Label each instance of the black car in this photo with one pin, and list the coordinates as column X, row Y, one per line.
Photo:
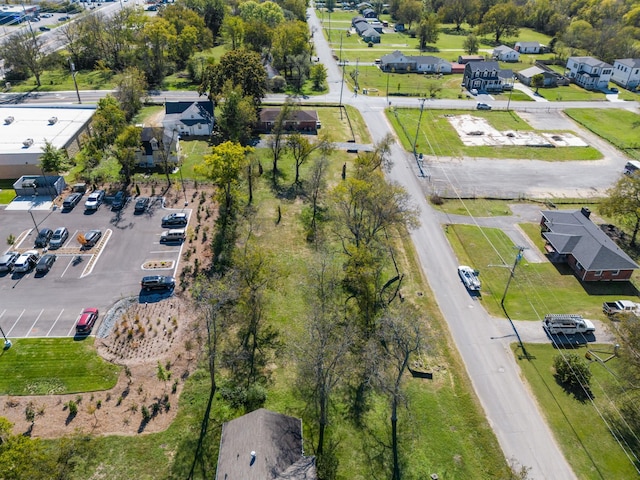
column 45, row 263
column 118, row 201
column 7, row 260
column 91, row 238
column 175, row 220
column 71, row 201
column 141, row 205
column 43, row 238
column 157, row 282
column 44, row 28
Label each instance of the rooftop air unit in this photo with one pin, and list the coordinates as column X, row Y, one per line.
column 53, row 120
column 9, row 120
column 28, row 142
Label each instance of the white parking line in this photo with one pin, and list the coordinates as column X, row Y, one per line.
column 73, row 327
column 73, row 259
column 54, row 323
column 3, row 312
column 34, row 323
column 165, row 251
column 17, row 320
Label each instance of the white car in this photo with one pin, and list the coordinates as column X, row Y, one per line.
column 95, row 200
column 469, row 277
column 26, row 261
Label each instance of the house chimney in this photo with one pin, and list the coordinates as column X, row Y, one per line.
column 585, row 211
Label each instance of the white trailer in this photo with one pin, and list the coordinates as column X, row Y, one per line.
column 567, row 324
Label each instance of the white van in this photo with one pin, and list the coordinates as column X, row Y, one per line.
column 631, row 167
column 176, row 235
column 567, row 324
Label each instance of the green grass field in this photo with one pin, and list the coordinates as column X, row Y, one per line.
column 438, row 137
column 584, row 437
column 538, row 288
column 7, row 193
column 54, row 366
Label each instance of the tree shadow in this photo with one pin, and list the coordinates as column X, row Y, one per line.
column 581, row 394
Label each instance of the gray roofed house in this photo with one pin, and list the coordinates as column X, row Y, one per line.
column 158, row 146
column 551, row 79
column 358, row 19
column 263, row 445
column 401, row 63
column 486, row 77
column 369, row 13
column 528, row 47
column 589, row 72
column 189, row 118
column 574, row 239
column 626, row 72
column 505, row 54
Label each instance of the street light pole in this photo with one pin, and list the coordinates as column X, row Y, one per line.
column 73, row 75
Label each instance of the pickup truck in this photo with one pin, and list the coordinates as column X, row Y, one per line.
column 620, row 306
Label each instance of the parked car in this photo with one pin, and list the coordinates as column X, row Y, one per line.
column 43, row 238
column 175, row 235
column 59, row 237
column 91, row 238
column 175, row 220
column 95, row 200
column 71, row 201
column 26, row 261
column 483, row 106
column 157, row 282
column 44, row 28
column 45, row 263
column 141, row 205
column 8, row 260
column 118, row 201
column 86, row 321
column 64, row 18
column 46, row 15
column 469, row 277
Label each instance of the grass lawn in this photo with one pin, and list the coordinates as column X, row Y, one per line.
column 7, row 193
column 476, row 207
column 584, row 437
column 61, row 79
column 619, row 127
column 146, row 112
column 537, row 288
column 444, row 139
column 54, row 366
column 571, row 93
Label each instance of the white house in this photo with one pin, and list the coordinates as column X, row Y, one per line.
column 400, row 63
column 189, row 118
column 590, row 73
column 528, row 47
column 159, row 147
column 505, row 54
column 626, row 73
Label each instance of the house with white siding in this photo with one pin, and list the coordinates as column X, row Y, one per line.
column 626, row 73
column 589, row 72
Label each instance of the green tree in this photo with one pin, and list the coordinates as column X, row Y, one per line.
column 537, row 81
column 622, row 201
column 131, row 91
column 457, row 11
column 233, row 29
column 211, row 11
column 237, row 116
column 107, row 123
column 156, row 40
column 53, row 159
column 409, row 12
column 471, row 44
column 22, row 457
column 288, row 43
column 125, row 148
column 428, row 30
column 301, row 149
column 258, row 36
column 572, row 372
column 24, row 52
column 503, row 19
column 268, row 12
column 318, row 75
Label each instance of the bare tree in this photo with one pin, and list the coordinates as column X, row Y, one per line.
column 23, row 51
column 301, row 149
column 277, row 143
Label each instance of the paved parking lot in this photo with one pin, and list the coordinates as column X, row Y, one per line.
column 48, row 306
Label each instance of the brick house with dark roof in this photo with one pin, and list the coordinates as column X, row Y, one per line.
column 299, row 120
column 574, row 239
column 263, row 445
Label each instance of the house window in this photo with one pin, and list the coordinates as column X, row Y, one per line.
column 199, row 126
column 615, row 273
column 597, row 273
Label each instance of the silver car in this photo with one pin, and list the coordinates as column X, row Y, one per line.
column 59, row 237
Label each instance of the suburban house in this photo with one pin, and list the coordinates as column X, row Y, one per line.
column 528, row 47
column 366, row 31
column 400, row 63
column 574, row 239
column 299, row 120
column 505, row 54
column 464, row 59
column 626, row 73
column 486, row 77
column 590, row 73
column 189, row 118
column 159, row 146
column 358, row 19
column 551, row 79
column 369, row 13
column 263, row 445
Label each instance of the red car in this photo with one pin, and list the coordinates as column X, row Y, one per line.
column 86, row 321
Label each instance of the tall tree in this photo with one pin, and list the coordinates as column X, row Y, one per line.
column 409, row 12
column 301, row 149
column 428, row 30
column 318, row 75
column 53, row 159
column 24, row 52
column 157, row 37
column 277, row 143
column 233, row 31
column 268, row 12
column 107, row 123
column 501, row 19
column 125, row 147
column 623, row 203
column 457, row 11
column 131, row 90
column 537, row 81
column 471, row 44
column 237, row 116
column 212, row 12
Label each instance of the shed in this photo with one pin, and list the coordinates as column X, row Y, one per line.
column 48, row 185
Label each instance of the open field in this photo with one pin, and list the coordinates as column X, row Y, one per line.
column 571, row 93
column 583, row 435
column 538, row 288
column 54, row 366
column 438, row 137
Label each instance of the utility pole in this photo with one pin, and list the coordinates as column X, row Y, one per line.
column 73, row 75
column 510, row 92
column 388, row 75
column 512, row 274
column 415, row 140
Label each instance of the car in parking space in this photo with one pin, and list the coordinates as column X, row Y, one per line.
column 59, row 237
column 46, row 15
column 26, row 261
column 175, row 220
column 157, row 282
column 118, row 201
column 483, row 106
column 45, row 263
column 43, row 238
column 44, row 28
column 175, row 235
column 64, row 18
column 141, row 205
column 8, row 260
column 86, row 321
column 71, row 201
column 95, row 200
column 91, row 238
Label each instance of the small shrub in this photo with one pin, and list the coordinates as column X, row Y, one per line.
column 30, row 412
column 119, row 401
column 146, row 415
column 134, row 407
column 99, row 404
column 436, row 199
column 73, row 407
column 11, row 239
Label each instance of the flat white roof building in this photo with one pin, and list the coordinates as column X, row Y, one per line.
column 25, row 128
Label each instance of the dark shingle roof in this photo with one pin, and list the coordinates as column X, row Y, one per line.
column 276, row 440
column 573, row 233
column 486, row 65
column 189, row 113
column 270, row 115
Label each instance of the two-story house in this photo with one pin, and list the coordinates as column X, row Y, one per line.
column 486, row 77
column 626, row 73
column 590, row 73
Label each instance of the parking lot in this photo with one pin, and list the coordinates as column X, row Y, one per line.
column 48, row 305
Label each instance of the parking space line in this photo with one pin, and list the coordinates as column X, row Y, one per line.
column 73, row 259
column 71, row 239
column 89, row 268
column 54, row 323
column 14, row 324
column 73, row 327
column 165, row 251
column 3, row 312
column 34, row 323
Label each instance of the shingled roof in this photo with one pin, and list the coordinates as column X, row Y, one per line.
column 276, row 442
column 571, row 232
